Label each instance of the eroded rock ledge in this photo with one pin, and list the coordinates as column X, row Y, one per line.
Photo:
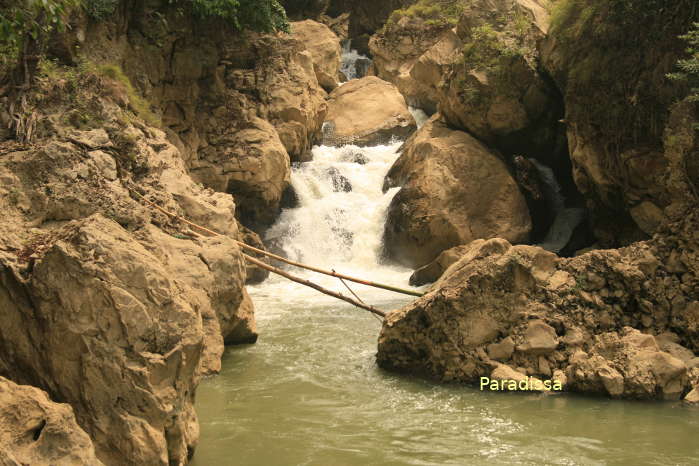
column 622, row 323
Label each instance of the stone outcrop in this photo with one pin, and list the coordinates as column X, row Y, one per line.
column 325, row 50
column 431, row 272
column 109, row 305
column 619, row 323
column 251, row 163
column 367, row 17
column 396, row 49
column 616, row 137
column 35, row 430
column 365, row 112
column 485, row 79
column 453, row 190
column 211, row 86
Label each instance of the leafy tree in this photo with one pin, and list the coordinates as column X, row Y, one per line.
column 689, row 67
column 258, row 15
column 24, row 27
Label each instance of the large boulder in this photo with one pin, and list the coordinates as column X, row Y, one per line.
column 252, row 164
column 366, row 112
column 588, row 323
column 325, row 50
column 453, row 190
column 35, row 430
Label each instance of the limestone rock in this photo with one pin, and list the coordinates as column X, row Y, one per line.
column 325, row 50
column 35, row 430
column 539, row 338
column 396, row 50
column 453, row 190
column 650, row 166
column 503, row 350
column 367, row 111
column 486, row 304
column 254, row 167
column 431, row 272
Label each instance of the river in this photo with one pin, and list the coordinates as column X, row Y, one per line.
column 310, row 393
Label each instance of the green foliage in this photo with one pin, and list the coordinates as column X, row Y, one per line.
column 32, row 18
column 689, row 67
column 138, row 103
column 433, row 12
column 100, row 9
column 257, row 15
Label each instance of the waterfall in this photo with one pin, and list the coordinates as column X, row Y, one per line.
column 354, row 65
column 420, row 116
column 339, row 221
column 566, row 218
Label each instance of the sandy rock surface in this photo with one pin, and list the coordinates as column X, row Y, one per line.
column 34, row 430
column 367, row 111
column 453, row 190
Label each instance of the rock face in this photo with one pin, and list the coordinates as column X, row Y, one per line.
column 616, row 137
column 589, row 322
column 365, row 112
column 366, row 17
column 109, row 305
column 325, row 50
column 453, row 190
column 482, row 75
column 210, row 87
column 35, row 430
column 251, row 163
column 491, row 86
column 395, row 50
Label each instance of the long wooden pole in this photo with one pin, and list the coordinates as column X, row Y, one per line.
column 283, row 259
column 303, row 281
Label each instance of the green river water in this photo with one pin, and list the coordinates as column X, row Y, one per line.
column 309, row 393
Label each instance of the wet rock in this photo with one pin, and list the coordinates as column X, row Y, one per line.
column 354, row 156
column 366, row 112
column 453, row 190
column 693, row 396
column 339, row 181
column 35, row 430
column 253, row 273
column 324, row 46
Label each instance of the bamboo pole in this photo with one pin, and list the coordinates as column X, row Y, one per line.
column 309, row 283
column 280, row 258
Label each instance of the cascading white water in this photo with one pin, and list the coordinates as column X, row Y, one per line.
column 351, row 59
column 566, row 218
column 338, row 223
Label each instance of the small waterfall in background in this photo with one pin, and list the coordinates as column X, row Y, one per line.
column 339, row 221
column 354, row 65
column 566, row 218
column 420, row 116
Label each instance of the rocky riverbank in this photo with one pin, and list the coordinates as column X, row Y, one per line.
column 114, row 311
